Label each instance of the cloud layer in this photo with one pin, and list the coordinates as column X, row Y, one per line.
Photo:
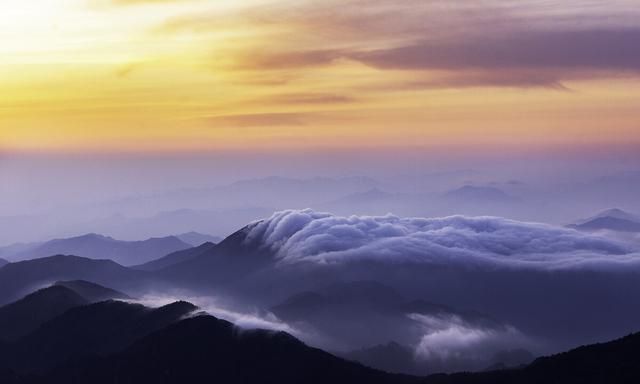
column 307, row 236
column 451, row 339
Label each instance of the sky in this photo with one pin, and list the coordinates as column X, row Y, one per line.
column 280, row 76
column 102, row 100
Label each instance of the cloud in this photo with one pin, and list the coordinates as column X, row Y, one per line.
column 289, row 59
column 450, row 338
column 258, row 119
column 589, row 49
column 212, row 306
column 307, row 98
column 494, row 43
column 133, row 2
column 296, row 236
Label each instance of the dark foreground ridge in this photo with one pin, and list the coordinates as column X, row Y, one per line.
column 119, row 342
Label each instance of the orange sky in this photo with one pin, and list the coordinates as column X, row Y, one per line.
column 136, row 75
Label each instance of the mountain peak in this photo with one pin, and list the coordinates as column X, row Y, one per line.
column 617, row 213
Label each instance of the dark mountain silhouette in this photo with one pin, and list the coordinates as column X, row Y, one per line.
column 91, row 291
column 226, row 263
column 27, row 314
column 391, row 357
column 369, row 313
column 24, row 316
column 616, row 361
column 96, row 246
column 472, row 194
column 95, row 329
column 612, row 219
column 114, row 341
column 18, row 279
column 195, row 238
column 206, row 349
column 176, row 257
column 510, row 358
column 3, row 262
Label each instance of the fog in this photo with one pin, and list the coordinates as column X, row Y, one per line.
column 431, row 261
column 133, row 197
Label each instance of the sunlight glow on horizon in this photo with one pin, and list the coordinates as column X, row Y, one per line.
column 105, row 75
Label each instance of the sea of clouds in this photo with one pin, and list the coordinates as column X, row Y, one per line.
column 296, row 236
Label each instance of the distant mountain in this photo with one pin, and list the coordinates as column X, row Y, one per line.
column 222, row 220
column 206, row 349
column 3, row 262
column 25, row 315
column 373, row 201
column 176, row 258
column 369, row 196
column 98, row 247
column 195, row 238
column 17, row 248
column 20, row 278
column 470, row 193
column 612, row 219
column 90, row 330
column 92, row 292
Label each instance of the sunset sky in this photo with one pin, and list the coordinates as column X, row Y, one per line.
column 276, row 75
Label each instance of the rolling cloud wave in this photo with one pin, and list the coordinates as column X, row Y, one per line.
column 308, row 236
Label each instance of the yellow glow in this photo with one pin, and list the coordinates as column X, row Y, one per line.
column 108, row 76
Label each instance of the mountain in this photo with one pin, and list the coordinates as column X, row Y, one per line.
column 165, row 221
column 24, row 316
column 27, row 314
column 612, row 219
column 176, row 257
column 228, row 262
column 18, row 279
column 89, row 330
column 391, row 357
column 196, row 238
column 91, row 291
column 471, row 194
column 373, row 201
column 370, row 196
column 3, row 262
column 17, row 248
column 97, row 247
column 363, row 313
column 616, row 361
column 206, row 349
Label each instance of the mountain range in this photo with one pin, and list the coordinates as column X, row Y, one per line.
column 369, row 302
column 114, row 341
column 96, row 246
column 20, row 278
column 196, row 238
column 27, row 314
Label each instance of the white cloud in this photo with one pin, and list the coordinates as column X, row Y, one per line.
column 209, row 304
column 308, row 236
column 450, row 337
